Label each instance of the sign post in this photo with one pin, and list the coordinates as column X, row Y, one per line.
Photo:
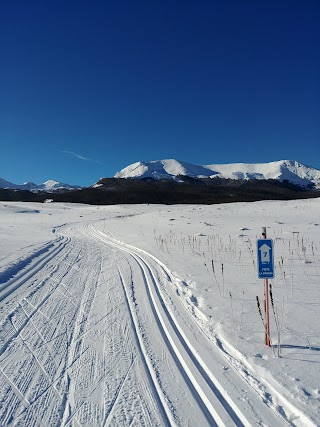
column 265, row 271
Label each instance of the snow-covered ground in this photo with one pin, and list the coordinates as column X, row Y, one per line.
column 146, row 315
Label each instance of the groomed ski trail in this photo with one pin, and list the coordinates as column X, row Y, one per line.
column 93, row 334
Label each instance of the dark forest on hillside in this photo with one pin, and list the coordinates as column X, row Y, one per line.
column 184, row 190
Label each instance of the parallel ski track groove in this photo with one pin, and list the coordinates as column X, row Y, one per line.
column 56, row 275
column 165, row 413
column 19, row 280
column 173, row 351
column 33, row 312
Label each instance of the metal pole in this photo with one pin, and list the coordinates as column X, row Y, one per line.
column 266, row 301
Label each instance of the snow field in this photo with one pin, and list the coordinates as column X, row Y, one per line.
column 146, row 315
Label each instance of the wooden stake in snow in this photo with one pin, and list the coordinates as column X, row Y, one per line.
column 263, row 322
column 259, row 309
column 266, row 300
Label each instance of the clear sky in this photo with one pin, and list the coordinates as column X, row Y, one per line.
column 89, row 87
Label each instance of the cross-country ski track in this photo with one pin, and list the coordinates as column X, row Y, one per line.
column 93, row 333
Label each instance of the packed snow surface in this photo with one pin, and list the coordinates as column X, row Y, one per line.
column 290, row 170
column 147, row 315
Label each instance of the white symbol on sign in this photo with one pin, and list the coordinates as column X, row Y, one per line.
column 265, row 253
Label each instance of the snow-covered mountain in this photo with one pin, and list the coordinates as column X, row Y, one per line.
column 281, row 170
column 50, row 185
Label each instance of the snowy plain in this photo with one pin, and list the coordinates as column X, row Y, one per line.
column 146, row 315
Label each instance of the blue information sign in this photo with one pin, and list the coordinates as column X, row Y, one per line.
column 265, row 258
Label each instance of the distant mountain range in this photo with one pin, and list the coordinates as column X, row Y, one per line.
column 47, row 186
column 174, row 182
column 289, row 170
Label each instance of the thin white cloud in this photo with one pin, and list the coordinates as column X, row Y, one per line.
column 78, row 156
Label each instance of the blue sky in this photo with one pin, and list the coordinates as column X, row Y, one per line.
column 89, row 87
